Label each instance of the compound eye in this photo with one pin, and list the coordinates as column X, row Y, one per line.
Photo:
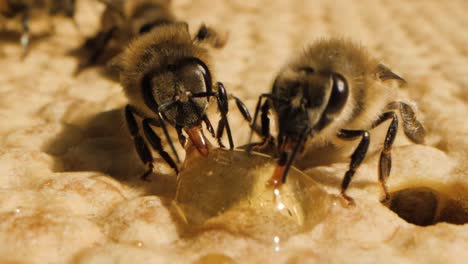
column 339, row 93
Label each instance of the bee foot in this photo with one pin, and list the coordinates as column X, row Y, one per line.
column 145, row 176
column 385, row 199
column 347, row 201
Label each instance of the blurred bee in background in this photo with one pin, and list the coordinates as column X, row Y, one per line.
column 123, row 20
column 24, row 9
column 334, row 91
column 167, row 78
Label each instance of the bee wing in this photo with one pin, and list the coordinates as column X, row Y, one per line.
column 384, row 73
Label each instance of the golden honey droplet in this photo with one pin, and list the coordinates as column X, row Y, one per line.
column 227, row 190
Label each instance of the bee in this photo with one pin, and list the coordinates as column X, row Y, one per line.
column 24, row 8
column 123, row 20
column 167, row 78
column 334, row 92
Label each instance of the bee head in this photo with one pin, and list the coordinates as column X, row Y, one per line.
column 180, row 90
column 179, row 93
column 305, row 102
column 306, row 99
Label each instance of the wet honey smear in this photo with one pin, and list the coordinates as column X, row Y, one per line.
column 228, row 191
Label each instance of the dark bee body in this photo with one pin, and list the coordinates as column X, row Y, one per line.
column 162, row 56
column 132, row 17
column 124, row 20
column 121, row 21
column 24, row 8
column 333, row 92
column 167, row 79
column 11, row 8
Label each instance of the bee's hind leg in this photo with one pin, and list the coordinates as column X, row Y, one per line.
column 413, row 129
column 385, row 161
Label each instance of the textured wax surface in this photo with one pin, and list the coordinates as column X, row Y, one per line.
column 69, row 187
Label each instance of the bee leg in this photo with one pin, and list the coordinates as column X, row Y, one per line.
column 208, row 125
column 413, row 129
column 160, row 123
column 385, row 161
column 25, row 35
column 356, row 158
column 219, row 133
column 223, row 107
column 265, row 128
column 210, row 36
column 265, row 122
column 155, row 142
column 182, row 138
column 242, row 108
column 140, row 144
column 151, row 102
column 264, row 131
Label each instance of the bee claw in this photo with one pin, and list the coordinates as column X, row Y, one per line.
column 145, row 176
column 385, row 199
column 347, row 200
column 267, row 142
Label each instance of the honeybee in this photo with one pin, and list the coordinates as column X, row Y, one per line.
column 167, row 78
column 24, row 8
column 333, row 92
column 123, row 20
